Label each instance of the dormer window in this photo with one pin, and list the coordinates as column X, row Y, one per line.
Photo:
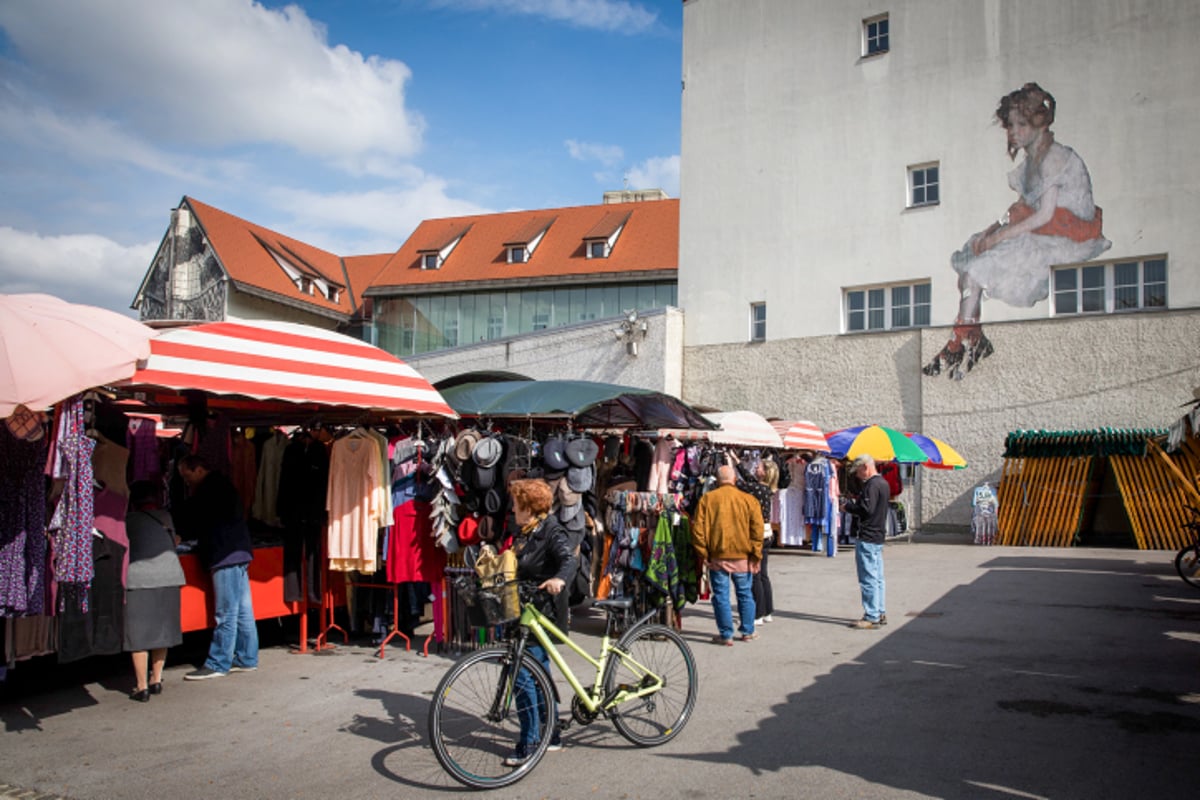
column 430, row 261
column 305, row 284
column 521, row 244
column 598, row 249
column 602, row 238
column 434, row 254
column 334, row 294
column 517, row 255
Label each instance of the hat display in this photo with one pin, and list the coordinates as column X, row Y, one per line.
column 487, row 530
column 492, row 501
column 582, row 452
column 554, row 454
column 485, row 477
column 581, row 478
column 464, row 444
column 487, row 451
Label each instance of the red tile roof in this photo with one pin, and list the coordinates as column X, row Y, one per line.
column 648, row 243
column 239, row 245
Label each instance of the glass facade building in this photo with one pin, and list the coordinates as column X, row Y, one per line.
column 412, row 324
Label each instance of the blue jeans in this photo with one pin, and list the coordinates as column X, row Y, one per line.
column 869, row 560
column 742, row 583
column 527, row 701
column 235, row 637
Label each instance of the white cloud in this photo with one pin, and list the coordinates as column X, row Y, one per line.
column 215, row 73
column 656, row 173
column 606, row 154
column 618, row 16
column 81, row 268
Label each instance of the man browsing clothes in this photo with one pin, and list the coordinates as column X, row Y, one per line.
column 871, row 509
column 727, row 533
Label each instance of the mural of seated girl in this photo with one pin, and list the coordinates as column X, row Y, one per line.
column 1054, row 221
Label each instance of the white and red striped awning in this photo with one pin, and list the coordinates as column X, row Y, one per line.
column 268, row 360
column 739, row 428
column 801, row 435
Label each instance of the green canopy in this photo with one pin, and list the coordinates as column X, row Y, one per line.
column 587, row 404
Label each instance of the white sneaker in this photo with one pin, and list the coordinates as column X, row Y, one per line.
column 758, row 622
column 768, row 618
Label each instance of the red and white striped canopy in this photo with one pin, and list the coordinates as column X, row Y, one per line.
column 801, row 435
column 290, row 362
column 738, row 428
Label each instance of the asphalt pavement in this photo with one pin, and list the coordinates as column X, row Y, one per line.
column 1004, row 673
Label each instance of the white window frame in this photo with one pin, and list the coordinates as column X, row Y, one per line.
column 924, row 185
column 1106, row 293
column 591, row 248
column 431, row 260
column 518, row 254
column 758, row 322
column 867, row 38
column 879, row 300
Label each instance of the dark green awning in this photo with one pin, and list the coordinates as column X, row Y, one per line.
column 1095, row 442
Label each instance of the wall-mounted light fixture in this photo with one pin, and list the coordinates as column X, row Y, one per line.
column 631, row 331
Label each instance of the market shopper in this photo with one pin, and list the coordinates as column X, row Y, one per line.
column 543, row 555
column 871, row 509
column 152, row 588
column 727, row 531
column 214, row 513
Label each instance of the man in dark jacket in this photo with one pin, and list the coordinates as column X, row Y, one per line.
column 871, row 509
column 214, row 512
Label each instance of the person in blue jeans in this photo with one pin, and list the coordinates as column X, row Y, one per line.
column 214, row 515
column 727, row 534
column 871, row 509
column 544, row 555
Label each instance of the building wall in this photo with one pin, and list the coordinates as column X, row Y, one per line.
column 794, row 159
column 588, row 351
column 249, row 307
column 795, row 150
column 1120, row 371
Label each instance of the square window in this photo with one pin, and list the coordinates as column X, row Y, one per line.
column 430, row 261
column 517, row 255
column 923, row 186
column 875, row 35
column 597, row 249
column 758, row 322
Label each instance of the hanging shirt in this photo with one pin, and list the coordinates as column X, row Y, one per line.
column 355, row 503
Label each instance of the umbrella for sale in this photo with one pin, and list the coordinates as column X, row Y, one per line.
column 941, row 455
column 882, row 444
column 51, row 349
column 801, row 435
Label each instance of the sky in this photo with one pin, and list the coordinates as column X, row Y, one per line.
column 342, row 123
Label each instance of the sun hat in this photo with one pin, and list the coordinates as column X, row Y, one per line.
column 582, row 452
column 465, row 443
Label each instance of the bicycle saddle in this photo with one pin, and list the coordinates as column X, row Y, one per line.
column 614, row 604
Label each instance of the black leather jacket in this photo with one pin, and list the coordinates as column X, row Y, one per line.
column 543, row 554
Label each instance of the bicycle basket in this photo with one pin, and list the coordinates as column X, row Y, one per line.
column 493, row 602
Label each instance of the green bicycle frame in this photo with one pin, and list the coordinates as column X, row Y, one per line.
column 543, row 629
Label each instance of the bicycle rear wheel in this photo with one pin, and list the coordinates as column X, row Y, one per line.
column 474, row 726
column 659, row 717
column 1187, row 564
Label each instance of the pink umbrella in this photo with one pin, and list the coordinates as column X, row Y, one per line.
column 51, row 349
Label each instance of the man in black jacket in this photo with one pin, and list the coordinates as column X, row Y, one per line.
column 214, row 512
column 871, row 509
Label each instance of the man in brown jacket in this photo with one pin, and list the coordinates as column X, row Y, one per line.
column 727, row 532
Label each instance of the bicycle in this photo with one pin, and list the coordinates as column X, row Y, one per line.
column 1187, row 560
column 645, row 683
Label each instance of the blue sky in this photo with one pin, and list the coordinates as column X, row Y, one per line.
column 343, row 123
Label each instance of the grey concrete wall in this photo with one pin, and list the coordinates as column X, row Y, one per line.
column 1121, row 371
column 588, row 351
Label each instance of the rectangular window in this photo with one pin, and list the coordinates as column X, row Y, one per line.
column 888, row 307
column 597, row 249
column 1110, row 288
column 923, row 185
column 758, row 322
column 429, row 261
column 517, row 255
column 875, row 35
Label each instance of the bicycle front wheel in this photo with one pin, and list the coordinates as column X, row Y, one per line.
column 475, row 720
column 1187, row 564
column 642, row 655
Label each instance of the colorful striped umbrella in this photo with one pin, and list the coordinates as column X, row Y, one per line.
column 287, row 361
column 941, row 455
column 800, row 435
column 882, row 444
